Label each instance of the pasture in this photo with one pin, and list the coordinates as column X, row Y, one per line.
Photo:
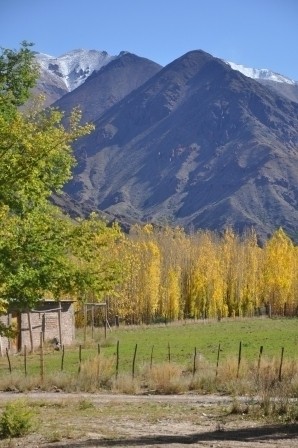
column 179, row 343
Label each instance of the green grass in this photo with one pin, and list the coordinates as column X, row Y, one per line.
column 181, row 338
column 272, row 334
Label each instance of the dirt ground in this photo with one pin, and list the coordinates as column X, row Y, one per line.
column 105, row 420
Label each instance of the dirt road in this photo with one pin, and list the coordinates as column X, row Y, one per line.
column 106, row 420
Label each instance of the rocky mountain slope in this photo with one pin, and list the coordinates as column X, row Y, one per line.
column 60, row 75
column 277, row 83
column 63, row 74
column 196, row 144
column 108, row 85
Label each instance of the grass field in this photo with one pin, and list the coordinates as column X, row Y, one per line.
column 175, row 342
column 268, row 384
column 272, row 334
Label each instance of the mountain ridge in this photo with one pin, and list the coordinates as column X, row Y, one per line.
column 195, row 143
column 77, row 59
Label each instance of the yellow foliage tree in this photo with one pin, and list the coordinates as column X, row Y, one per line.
column 229, row 250
column 149, row 279
column 278, row 273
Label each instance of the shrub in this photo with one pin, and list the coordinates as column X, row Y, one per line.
column 96, row 373
column 17, row 420
column 125, row 384
column 167, row 378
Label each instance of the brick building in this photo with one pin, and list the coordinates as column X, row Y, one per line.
column 49, row 320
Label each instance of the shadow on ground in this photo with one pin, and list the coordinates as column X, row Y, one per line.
column 259, row 434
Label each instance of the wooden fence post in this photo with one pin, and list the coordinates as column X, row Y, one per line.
column 239, row 358
column 106, row 319
column 85, row 323
column 151, row 358
column 43, row 326
column 25, row 359
column 30, row 332
column 259, row 361
column 194, row 362
column 8, row 359
column 117, row 360
column 169, row 352
column 80, row 357
column 60, row 323
column 92, row 321
column 134, row 361
column 281, row 363
column 41, row 358
column 217, row 360
column 62, row 358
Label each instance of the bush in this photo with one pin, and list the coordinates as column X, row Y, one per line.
column 167, row 378
column 125, row 384
column 96, row 373
column 16, row 420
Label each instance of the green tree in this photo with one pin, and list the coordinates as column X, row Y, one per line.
column 34, row 256
column 18, row 74
column 93, row 252
column 35, row 157
column 35, row 161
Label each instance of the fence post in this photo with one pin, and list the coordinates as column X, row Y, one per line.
column 169, row 352
column 8, row 359
column 85, row 323
column 106, row 319
column 60, row 322
column 30, row 331
column 62, row 358
column 92, row 321
column 25, row 359
column 194, row 362
column 217, row 360
column 281, row 362
column 41, row 357
column 259, row 361
column 80, row 357
column 239, row 358
column 151, row 358
column 134, row 361
column 117, row 359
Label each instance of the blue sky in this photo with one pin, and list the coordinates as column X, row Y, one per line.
column 255, row 33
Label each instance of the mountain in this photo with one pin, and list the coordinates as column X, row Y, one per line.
column 278, row 83
column 199, row 145
column 60, row 75
column 108, row 85
column 63, row 74
column 73, row 68
column 261, row 74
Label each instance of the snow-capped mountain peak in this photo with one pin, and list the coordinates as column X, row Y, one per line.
column 75, row 66
column 260, row 73
column 71, row 69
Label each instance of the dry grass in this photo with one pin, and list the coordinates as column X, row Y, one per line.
column 275, row 389
column 166, row 378
column 95, row 374
column 125, row 384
